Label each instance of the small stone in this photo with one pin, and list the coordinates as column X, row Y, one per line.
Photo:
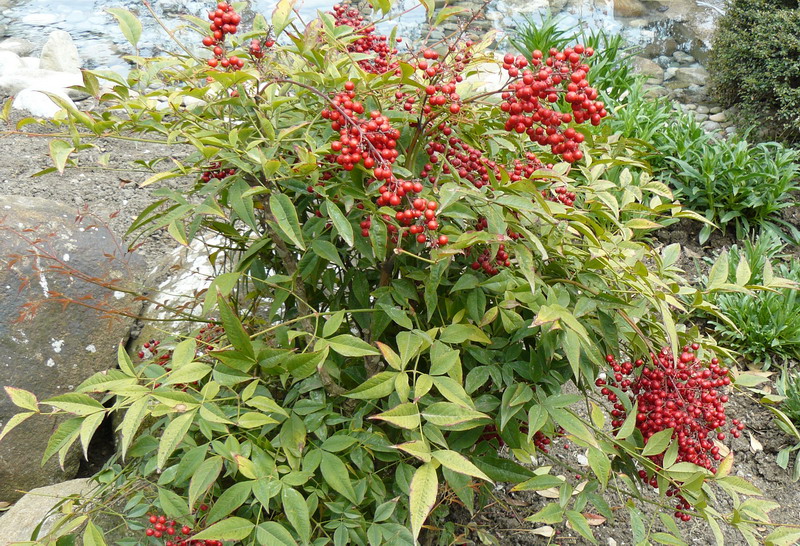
column 20, row 46
column 60, row 54
column 702, row 109
column 715, row 110
column 710, row 126
column 629, row 8
column 9, row 62
column 701, row 117
column 38, row 104
column 654, row 73
column 669, row 73
column 690, row 107
column 719, row 117
column 683, row 58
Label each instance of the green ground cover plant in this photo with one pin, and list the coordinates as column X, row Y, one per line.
column 412, row 272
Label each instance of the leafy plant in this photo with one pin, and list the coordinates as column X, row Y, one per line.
column 764, row 326
column 746, row 72
column 734, row 181
column 407, row 281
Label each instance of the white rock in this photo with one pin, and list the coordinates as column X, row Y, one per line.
column 20, row 46
column 31, row 62
column 59, row 53
column 9, row 62
column 719, row 117
column 42, row 80
column 38, row 104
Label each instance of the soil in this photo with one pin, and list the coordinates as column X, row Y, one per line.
column 115, row 196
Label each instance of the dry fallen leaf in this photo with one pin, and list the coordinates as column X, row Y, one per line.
column 544, row 531
column 755, row 445
column 551, row 493
column 4, row 505
column 594, row 519
column 723, row 449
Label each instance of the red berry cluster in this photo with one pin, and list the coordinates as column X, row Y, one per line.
column 215, row 170
column 224, row 20
column 683, row 394
column 467, row 162
column 171, row 531
column 369, row 140
column 256, row 48
column 526, row 98
column 208, row 335
column 489, row 263
column 368, row 41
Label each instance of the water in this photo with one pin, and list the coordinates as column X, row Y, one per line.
column 102, row 45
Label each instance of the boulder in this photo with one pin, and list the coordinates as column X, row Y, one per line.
column 9, row 62
column 41, row 80
column 18, row 524
column 629, row 8
column 38, row 104
column 60, row 54
column 654, row 73
column 684, row 77
column 20, row 46
column 56, row 329
column 666, row 47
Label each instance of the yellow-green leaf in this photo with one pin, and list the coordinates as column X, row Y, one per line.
column 422, row 496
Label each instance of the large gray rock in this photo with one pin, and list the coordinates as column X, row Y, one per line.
column 60, row 54
column 684, row 77
column 39, row 105
column 18, row 524
column 651, row 69
column 47, row 347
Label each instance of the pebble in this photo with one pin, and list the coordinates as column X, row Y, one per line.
column 719, row 117
column 683, row 58
column 715, row 110
column 702, row 109
column 711, row 126
column 701, row 117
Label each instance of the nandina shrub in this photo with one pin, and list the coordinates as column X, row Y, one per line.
column 412, row 270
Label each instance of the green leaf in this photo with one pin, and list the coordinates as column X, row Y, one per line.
column 124, row 361
column 274, row 534
column 79, row 404
column 173, row 505
column 337, row 476
column 573, row 425
column 459, row 333
column 446, row 13
column 404, row 415
column 600, row 465
column 447, row 414
column 579, row 523
column 131, row 422
column 422, row 496
column 783, row 536
column 188, row 373
column 129, row 24
column 231, row 499
column 296, row 510
column 203, row 478
column 327, row 251
column 341, row 223
column 743, row 272
column 740, row 485
column 669, row 540
column 234, row 330
column 14, row 422
column 350, row 345
column 418, row 448
column 500, row 469
column 379, row 385
column 551, row 513
column 64, row 436
column 539, row 483
column 282, row 208
column 172, row 436
column 629, row 425
column 93, row 535
column 282, row 16
column 458, row 463
column 397, row 315
column 23, row 399
column 719, row 271
column 229, row 529
column 658, row 442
